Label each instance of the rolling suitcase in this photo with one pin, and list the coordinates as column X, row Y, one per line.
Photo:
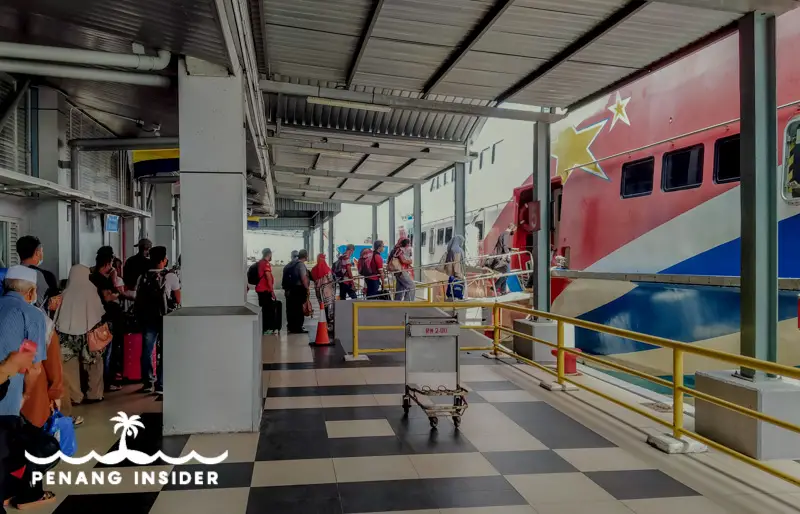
column 132, row 358
column 277, row 316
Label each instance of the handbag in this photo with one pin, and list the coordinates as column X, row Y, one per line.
column 55, row 303
column 99, row 337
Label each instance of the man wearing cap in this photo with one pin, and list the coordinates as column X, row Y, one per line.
column 137, row 265
column 22, row 325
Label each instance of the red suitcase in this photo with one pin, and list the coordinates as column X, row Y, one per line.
column 132, row 358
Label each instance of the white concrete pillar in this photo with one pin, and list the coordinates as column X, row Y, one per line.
column 213, row 190
column 212, row 345
column 50, row 222
column 164, row 216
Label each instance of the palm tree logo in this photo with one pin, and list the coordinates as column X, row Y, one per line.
column 130, row 427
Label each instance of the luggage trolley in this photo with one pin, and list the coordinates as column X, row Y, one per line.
column 432, row 367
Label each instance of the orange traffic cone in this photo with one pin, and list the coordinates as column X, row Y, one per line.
column 322, row 338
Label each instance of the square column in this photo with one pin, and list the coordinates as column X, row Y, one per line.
column 212, row 345
column 307, row 243
column 374, row 223
column 418, row 230
column 321, row 234
column 164, row 215
column 460, row 214
column 331, row 246
column 541, row 193
column 392, row 236
column 759, row 187
column 49, row 222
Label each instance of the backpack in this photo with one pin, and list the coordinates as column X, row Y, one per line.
column 253, row 277
column 151, row 298
column 366, row 263
column 338, row 269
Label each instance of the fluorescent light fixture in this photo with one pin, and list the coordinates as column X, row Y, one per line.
column 348, row 104
column 311, row 202
column 331, row 153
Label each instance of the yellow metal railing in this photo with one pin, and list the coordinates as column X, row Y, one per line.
column 677, row 386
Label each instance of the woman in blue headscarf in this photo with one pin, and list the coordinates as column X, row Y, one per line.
column 454, row 268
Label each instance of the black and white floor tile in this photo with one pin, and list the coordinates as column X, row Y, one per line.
column 334, row 439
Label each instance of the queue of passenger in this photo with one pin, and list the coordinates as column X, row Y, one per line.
column 64, row 348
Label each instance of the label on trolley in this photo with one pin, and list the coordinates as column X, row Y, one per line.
column 433, row 330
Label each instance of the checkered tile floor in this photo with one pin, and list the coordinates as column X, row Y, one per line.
column 334, row 439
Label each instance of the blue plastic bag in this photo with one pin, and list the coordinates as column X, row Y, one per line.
column 61, row 427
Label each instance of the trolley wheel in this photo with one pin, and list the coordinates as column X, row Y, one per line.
column 434, row 421
column 406, row 404
column 457, row 421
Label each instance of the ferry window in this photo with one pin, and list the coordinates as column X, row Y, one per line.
column 727, row 165
column 480, row 160
column 445, row 179
column 423, row 239
column 479, row 226
column 791, row 163
column 448, row 234
column 682, row 169
column 637, row 178
column 440, row 237
column 469, row 167
column 494, row 150
column 432, row 184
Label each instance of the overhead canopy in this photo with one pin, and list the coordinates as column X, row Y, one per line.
column 546, row 53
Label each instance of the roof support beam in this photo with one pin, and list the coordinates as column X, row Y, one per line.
column 494, row 14
column 337, row 148
column 392, row 174
column 345, row 174
column 576, row 46
column 288, row 186
column 305, row 199
column 740, row 6
column 377, row 5
column 366, row 100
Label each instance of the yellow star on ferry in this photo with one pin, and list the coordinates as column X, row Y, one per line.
column 572, row 149
column 619, row 111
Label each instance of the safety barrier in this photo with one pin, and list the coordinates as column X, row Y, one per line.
column 679, row 350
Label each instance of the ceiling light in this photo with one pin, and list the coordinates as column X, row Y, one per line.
column 331, row 153
column 348, row 104
column 311, row 202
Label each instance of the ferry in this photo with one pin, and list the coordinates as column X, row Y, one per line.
column 645, row 208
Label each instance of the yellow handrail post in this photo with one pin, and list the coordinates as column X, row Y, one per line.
column 496, row 311
column 430, row 294
column 677, row 393
column 355, row 330
column 560, row 356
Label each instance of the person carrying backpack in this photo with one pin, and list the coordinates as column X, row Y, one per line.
column 157, row 293
column 370, row 266
column 343, row 273
column 260, row 276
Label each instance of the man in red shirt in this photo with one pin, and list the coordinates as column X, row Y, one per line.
column 375, row 279
column 266, row 292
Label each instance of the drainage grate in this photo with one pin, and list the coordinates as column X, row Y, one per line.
column 658, row 406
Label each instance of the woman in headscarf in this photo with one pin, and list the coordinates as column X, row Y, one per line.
column 400, row 264
column 80, row 313
column 324, row 285
column 455, row 269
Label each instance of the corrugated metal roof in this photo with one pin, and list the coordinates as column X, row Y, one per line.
column 187, row 27
column 405, row 125
column 536, row 52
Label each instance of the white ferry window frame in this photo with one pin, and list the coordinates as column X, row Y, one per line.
column 628, row 165
column 667, row 155
column 440, row 237
column 717, row 144
column 448, row 234
column 792, row 127
column 423, row 239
